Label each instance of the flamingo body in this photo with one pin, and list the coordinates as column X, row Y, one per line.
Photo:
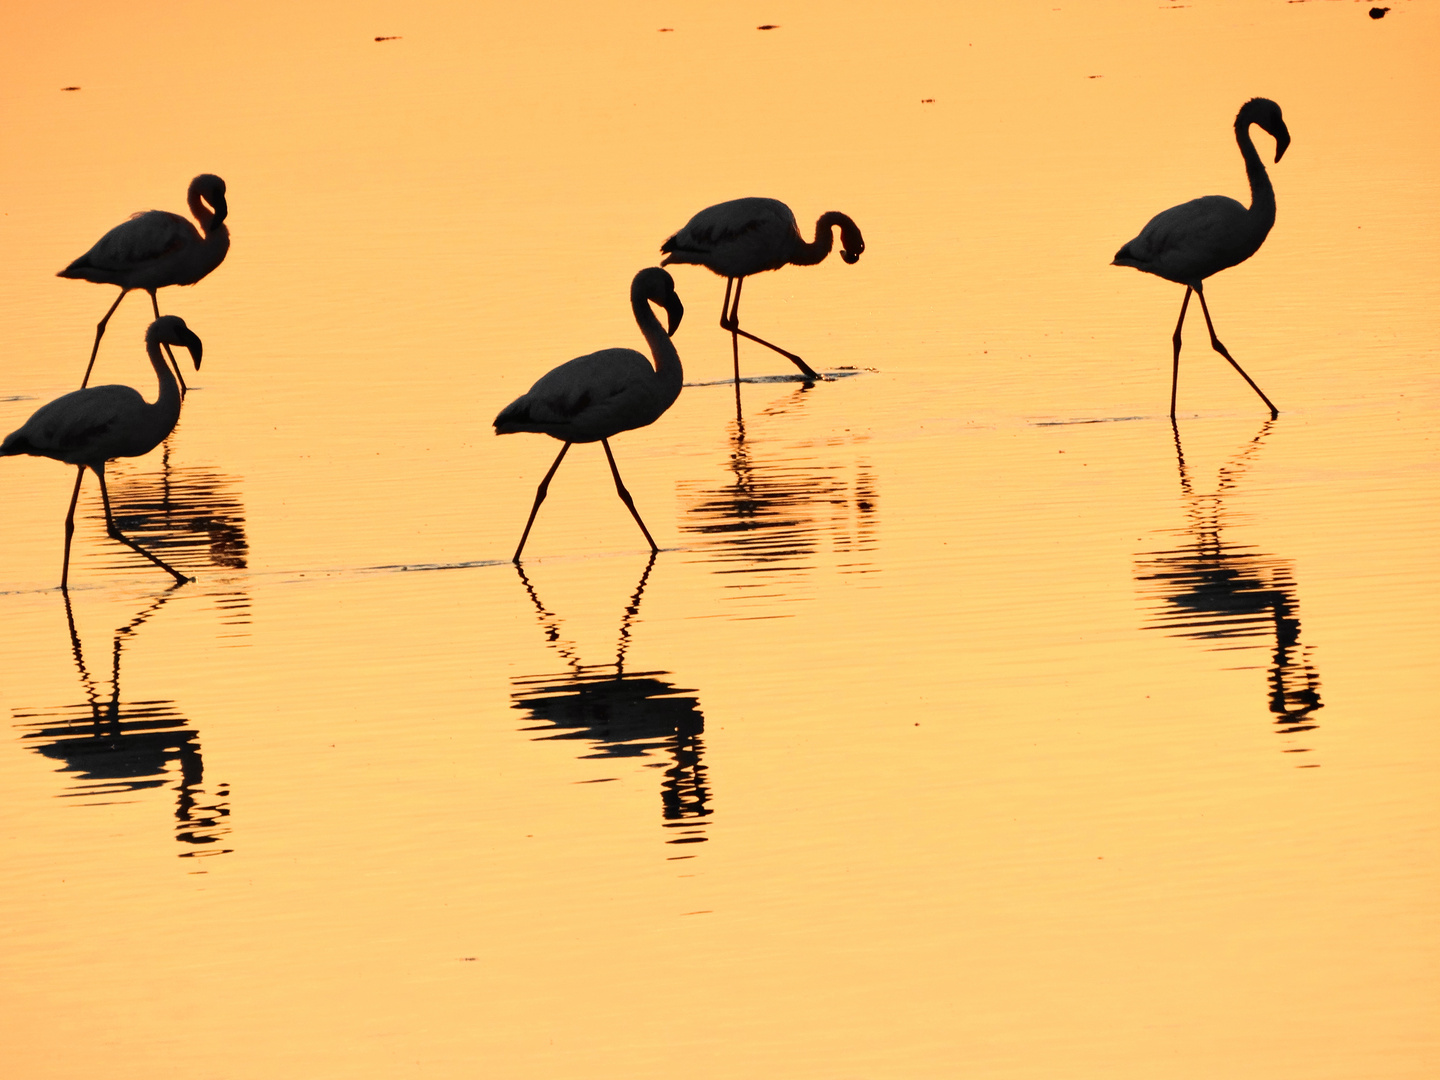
column 91, row 426
column 603, row 393
column 1188, row 243
column 156, row 248
column 742, row 237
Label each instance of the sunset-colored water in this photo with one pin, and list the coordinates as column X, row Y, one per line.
column 972, row 720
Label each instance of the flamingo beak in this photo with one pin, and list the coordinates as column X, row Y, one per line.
column 194, row 344
column 851, row 257
column 1282, row 142
column 675, row 310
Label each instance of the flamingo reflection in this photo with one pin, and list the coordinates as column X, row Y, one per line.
column 115, row 747
column 623, row 714
column 778, row 511
column 1226, row 593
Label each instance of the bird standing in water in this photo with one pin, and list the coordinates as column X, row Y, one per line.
column 88, row 427
column 1189, row 242
column 593, row 397
column 746, row 236
column 156, row 248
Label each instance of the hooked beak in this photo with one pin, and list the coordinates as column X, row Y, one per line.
column 194, row 344
column 221, row 208
column 1282, row 143
column 675, row 310
column 850, row 257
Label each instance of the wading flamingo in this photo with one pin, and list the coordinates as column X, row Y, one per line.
column 592, row 397
column 1189, row 242
column 88, row 427
column 746, row 236
column 156, row 248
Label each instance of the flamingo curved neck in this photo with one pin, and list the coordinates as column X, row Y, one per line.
column 816, row 250
column 169, row 399
column 667, row 359
column 1262, row 193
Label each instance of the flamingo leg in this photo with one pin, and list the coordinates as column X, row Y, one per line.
column 540, row 493
column 734, row 328
column 70, row 531
column 1215, row 344
column 625, row 496
column 1175, row 371
column 116, row 534
column 99, row 333
column 155, row 304
column 727, row 323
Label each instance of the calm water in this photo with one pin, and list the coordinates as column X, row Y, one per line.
column 973, row 720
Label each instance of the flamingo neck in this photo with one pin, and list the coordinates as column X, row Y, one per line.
column 1262, row 194
column 211, row 223
column 667, row 360
column 169, row 399
column 816, row 250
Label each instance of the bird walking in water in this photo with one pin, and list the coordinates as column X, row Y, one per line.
column 90, row 426
column 1189, row 242
column 593, row 397
column 746, row 236
column 156, row 248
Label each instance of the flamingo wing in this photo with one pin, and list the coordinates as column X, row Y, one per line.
column 736, row 238
column 591, row 397
column 81, row 427
column 1192, row 241
column 147, row 237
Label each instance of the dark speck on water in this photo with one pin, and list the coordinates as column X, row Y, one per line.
column 391, row 37
column 69, row 88
column 768, row 26
column 927, row 101
column 667, row 30
column 1378, row 12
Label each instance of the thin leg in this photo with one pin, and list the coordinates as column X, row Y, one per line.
column 625, row 495
column 539, row 498
column 1175, row 371
column 155, row 304
column 727, row 322
column 70, row 531
column 1215, row 344
column 99, row 333
column 734, row 328
column 116, row 534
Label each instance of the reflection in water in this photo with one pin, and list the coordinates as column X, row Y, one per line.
column 768, row 522
column 624, row 714
column 192, row 517
column 1228, row 593
column 117, row 747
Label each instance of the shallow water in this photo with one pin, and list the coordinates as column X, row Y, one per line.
column 972, row 720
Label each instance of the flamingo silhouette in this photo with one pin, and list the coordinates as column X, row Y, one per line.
column 593, row 397
column 156, row 248
column 90, row 426
column 746, row 236
column 1189, row 242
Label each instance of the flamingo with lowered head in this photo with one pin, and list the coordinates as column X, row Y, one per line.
column 593, row 397
column 156, row 248
column 90, row 426
column 747, row 236
column 1189, row 242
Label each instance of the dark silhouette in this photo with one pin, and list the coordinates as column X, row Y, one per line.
column 592, row 397
column 88, row 427
column 1189, row 242
column 157, row 248
column 620, row 714
column 748, row 236
column 1226, row 594
column 115, row 747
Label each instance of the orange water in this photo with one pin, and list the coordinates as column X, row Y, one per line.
column 971, row 720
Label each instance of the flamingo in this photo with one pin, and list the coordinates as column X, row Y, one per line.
column 156, row 248
column 88, row 427
column 1189, row 242
column 593, row 397
column 746, row 236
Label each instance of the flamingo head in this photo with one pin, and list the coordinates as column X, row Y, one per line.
column 657, row 286
column 852, row 244
column 1266, row 113
column 211, row 188
column 171, row 330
